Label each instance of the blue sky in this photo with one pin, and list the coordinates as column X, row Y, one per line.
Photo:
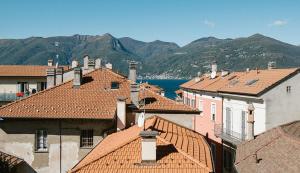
column 179, row 21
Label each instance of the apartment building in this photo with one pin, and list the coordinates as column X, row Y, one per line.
column 252, row 102
column 55, row 128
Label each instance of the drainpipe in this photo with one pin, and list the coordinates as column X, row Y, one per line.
column 250, row 134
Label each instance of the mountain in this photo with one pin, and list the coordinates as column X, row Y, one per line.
column 157, row 59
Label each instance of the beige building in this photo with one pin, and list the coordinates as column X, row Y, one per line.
column 55, row 128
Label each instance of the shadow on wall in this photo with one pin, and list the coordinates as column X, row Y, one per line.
column 13, row 166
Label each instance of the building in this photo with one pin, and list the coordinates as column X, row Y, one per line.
column 13, row 164
column 55, row 128
column 276, row 150
column 238, row 105
column 158, row 146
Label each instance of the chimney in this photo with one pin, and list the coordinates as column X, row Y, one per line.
column 91, row 64
column 224, row 73
column 250, row 134
column 162, row 92
column 214, row 66
column 74, row 64
column 50, row 62
column 50, row 77
column 271, row 65
column 134, row 94
column 108, row 65
column 98, row 63
column 59, row 75
column 121, row 113
column 132, row 71
column 148, row 146
column 77, row 77
column 85, row 62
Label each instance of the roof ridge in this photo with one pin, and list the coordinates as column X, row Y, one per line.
column 186, row 154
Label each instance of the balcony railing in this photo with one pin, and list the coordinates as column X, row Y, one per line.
column 228, row 134
column 6, row 97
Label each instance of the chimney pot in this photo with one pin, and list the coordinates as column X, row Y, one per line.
column 59, row 75
column 132, row 71
column 108, row 65
column 85, row 62
column 134, row 94
column 74, row 64
column 271, row 65
column 121, row 113
column 214, row 66
column 91, row 64
column 50, row 62
column 148, row 146
column 77, row 77
column 98, row 63
column 50, row 77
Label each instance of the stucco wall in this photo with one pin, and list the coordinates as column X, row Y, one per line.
column 17, row 137
column 10, row 85
column 283, row 107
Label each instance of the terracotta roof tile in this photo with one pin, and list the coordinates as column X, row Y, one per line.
column 276, row 150
column 93, row 100
column 240, row 82
column 24, row 70
column 121, row 151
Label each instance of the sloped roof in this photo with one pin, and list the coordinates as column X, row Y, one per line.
column 178, row 149
column 9, row 160
column 24, row 70
column 254, row 82
column 93, row 100
column 277, row 150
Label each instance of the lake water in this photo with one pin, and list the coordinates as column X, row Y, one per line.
column 169, row 85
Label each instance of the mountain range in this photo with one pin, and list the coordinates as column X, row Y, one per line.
column 157, row 59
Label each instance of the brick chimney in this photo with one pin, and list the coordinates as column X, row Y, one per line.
column 50, row 77
column 86, row 62
column 59, row 75
column 50, row 62
column 121, row 113
column 98, row 63
column 77, row 77
column 132, row 71
column 250, row 122
column 134, row 94
column 148, row 152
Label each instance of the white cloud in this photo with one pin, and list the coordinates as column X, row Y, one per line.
column 209, row 23
column 279, row 23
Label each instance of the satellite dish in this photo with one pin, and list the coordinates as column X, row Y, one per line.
column 141, row 119
column 213, row 74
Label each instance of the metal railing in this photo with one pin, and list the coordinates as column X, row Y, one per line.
column 228, row 134
column 8, row 97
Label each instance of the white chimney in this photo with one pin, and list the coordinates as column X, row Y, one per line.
column 85, row 62
column 108, row 65
column 162, row 92
column 74, row 64
column 98, row 63
column 91, row 64
column 77, row 77
column 50, row 77
column 121, row 113
column 214, row 66
column 134, row 94
column 224, row 73
column 250, row 122
column 132, row 71
column 50, row 62
column 59, row 75
column 271, row 65
column 148, row 146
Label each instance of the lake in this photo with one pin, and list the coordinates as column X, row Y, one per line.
column 169, row 85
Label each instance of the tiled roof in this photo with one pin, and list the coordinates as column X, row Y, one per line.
column 153, row 88
column 178, row 150
column 93, row 100
column 254, row 82
column 9, row 160
column 24, row 70
column 276, row 150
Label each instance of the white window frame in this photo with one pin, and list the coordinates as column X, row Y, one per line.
column 201, row 105
column 41, row 140
column 211, row 111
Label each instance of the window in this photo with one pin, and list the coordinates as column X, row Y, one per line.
column 193, row 103
column 41, row 86
column 115, row 85
column 188, row 101
column 86, row 138
column 228, row 159
column 23, row 86
column 41, row 140
column 288, row 89
column 213, row 112
column 200, row 105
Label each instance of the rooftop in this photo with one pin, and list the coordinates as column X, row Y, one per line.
column 276, row 150
column 253, row 82
column 178, row 148
column 24, row 70
column 95, row 99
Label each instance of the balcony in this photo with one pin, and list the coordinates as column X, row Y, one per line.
column 8, row 97
column 228, row 134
